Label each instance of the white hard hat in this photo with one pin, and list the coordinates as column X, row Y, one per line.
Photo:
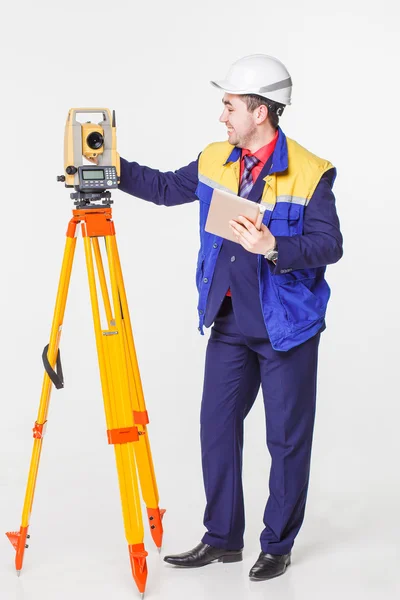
column 258, row 74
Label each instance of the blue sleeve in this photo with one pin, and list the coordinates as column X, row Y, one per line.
column 168, row 189
column 321, row 243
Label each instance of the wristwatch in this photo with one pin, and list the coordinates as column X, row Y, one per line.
column 272, row 254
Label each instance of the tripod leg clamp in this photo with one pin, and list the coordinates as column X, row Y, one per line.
column 123, row 436
column 56, row 377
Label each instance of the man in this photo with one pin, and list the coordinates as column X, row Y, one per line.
column 266, row 297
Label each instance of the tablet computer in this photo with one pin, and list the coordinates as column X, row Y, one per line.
column 224, row 207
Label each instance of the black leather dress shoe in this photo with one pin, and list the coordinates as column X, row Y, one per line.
column 268, row 566
column 202, row 555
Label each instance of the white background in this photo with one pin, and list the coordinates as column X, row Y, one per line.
column 152, row 63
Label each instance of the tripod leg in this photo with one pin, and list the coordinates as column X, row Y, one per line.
column 120, row 426
column 103, row 282
column 18, row 538
column 142, row 449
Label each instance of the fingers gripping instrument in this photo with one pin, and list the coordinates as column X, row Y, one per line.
column 124, row 404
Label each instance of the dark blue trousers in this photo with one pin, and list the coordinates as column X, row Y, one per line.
column 235, row 367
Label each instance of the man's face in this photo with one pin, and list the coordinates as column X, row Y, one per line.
column 239, row 121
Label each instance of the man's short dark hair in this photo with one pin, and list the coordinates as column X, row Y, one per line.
column 275, row 109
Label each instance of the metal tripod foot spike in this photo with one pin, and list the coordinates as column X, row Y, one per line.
column 18, row 540
column 138, row 555
column 155, row 520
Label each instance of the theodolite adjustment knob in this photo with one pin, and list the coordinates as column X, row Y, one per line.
column 60, row 177
column 71, row 170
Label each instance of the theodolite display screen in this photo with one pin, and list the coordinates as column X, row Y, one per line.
column 98, row 174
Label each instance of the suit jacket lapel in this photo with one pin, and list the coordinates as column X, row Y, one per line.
column 258, row 187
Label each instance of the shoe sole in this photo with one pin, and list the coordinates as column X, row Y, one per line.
column 226, row 558
column 254, row 578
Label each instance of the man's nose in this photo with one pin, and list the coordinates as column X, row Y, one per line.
column 224, row 117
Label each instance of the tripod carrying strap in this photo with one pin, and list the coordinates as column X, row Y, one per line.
column 56, row 377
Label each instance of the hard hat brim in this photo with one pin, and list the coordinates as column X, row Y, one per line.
column 226, row 86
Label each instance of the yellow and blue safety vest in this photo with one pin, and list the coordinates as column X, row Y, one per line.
column 293, row 302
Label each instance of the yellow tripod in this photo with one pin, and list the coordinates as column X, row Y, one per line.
column 125, row 409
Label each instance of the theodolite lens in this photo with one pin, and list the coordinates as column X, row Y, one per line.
column 95, row 140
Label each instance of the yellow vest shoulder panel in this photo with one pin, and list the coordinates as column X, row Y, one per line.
column 212, row 168
column 304, row 171
column 212, row 155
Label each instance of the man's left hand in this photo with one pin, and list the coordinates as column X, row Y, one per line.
column 257, row 241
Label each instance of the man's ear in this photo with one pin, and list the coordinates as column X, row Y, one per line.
column 261, row 114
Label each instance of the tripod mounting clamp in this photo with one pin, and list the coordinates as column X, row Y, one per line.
column 88, row 199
